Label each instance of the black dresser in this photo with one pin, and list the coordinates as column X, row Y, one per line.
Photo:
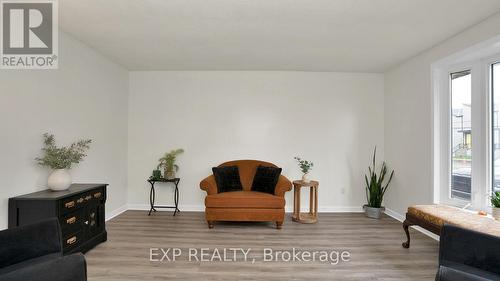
column 80, row 211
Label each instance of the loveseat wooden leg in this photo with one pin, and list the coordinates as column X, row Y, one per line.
column 279, row 224
column 210, row 224
column 406, row 225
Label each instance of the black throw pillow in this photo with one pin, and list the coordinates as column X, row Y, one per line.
column 265, row 179
column 227, row 178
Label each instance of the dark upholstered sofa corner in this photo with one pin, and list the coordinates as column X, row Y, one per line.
column 466, row 255
column 34, row 252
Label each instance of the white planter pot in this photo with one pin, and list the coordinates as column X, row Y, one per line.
column 59, row 179
column 496, row 213
column 374, row 213
column 305, row 178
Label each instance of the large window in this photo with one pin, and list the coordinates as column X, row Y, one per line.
column 466, row 127
column 461, row 135
column 495, row 125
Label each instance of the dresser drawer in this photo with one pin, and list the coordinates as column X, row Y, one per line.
column 93, row 195
column 98, row 194
column 73, row 220
column 72, row 203
column 72, row 240
column 68, row 204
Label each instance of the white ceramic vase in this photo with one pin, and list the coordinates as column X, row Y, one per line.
column 496, row 213
column 305, row 178
column 59, row 179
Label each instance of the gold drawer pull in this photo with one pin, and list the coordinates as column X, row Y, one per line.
column 69, row 204
column 71, row 240
column 71, row 220
column 97, row 195
column 80, row 200
column 88, row 197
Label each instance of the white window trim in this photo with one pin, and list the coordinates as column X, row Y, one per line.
column 478, row 59
column 444, row 116
column 488, row 62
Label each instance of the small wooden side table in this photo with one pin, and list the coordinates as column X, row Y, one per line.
column 312, row 216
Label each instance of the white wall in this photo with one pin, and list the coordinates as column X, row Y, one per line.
column 85, row 98
column 408, row 118
column 333, row 119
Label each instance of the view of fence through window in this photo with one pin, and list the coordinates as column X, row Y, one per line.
column 461, row 135
column 495, row 93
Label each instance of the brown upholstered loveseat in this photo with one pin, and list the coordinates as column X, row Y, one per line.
column 245, row 205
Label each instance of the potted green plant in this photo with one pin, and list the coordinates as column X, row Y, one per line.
column 376, row 188
column 167, row 162
column 305, row 166
column 60, row 160
column 156, row 175
column 495, row 205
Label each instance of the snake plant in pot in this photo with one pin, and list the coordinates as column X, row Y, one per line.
column 376, row 186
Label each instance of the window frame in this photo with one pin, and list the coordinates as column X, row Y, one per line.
column 481, row 173
column 490, row 61
column 445, row 97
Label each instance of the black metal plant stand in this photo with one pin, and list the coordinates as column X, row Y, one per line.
column 152, row 195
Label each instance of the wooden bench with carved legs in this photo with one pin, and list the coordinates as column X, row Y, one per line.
column 414, row 220
column 433, row 217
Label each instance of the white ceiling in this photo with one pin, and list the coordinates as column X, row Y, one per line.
column 309, row 35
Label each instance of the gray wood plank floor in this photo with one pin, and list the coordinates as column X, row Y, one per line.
column 374, row 246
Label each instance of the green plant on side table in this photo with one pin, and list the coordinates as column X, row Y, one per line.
column 495, row 205
column 167, row 162
column 156, row 175
column 60, row 160
column 375, row 188
column 305, row 166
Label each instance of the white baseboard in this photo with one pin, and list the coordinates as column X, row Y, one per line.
column 288, row 209
column 401, row 218
column 116, row 212
column 394, row 215
column 329, row 209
